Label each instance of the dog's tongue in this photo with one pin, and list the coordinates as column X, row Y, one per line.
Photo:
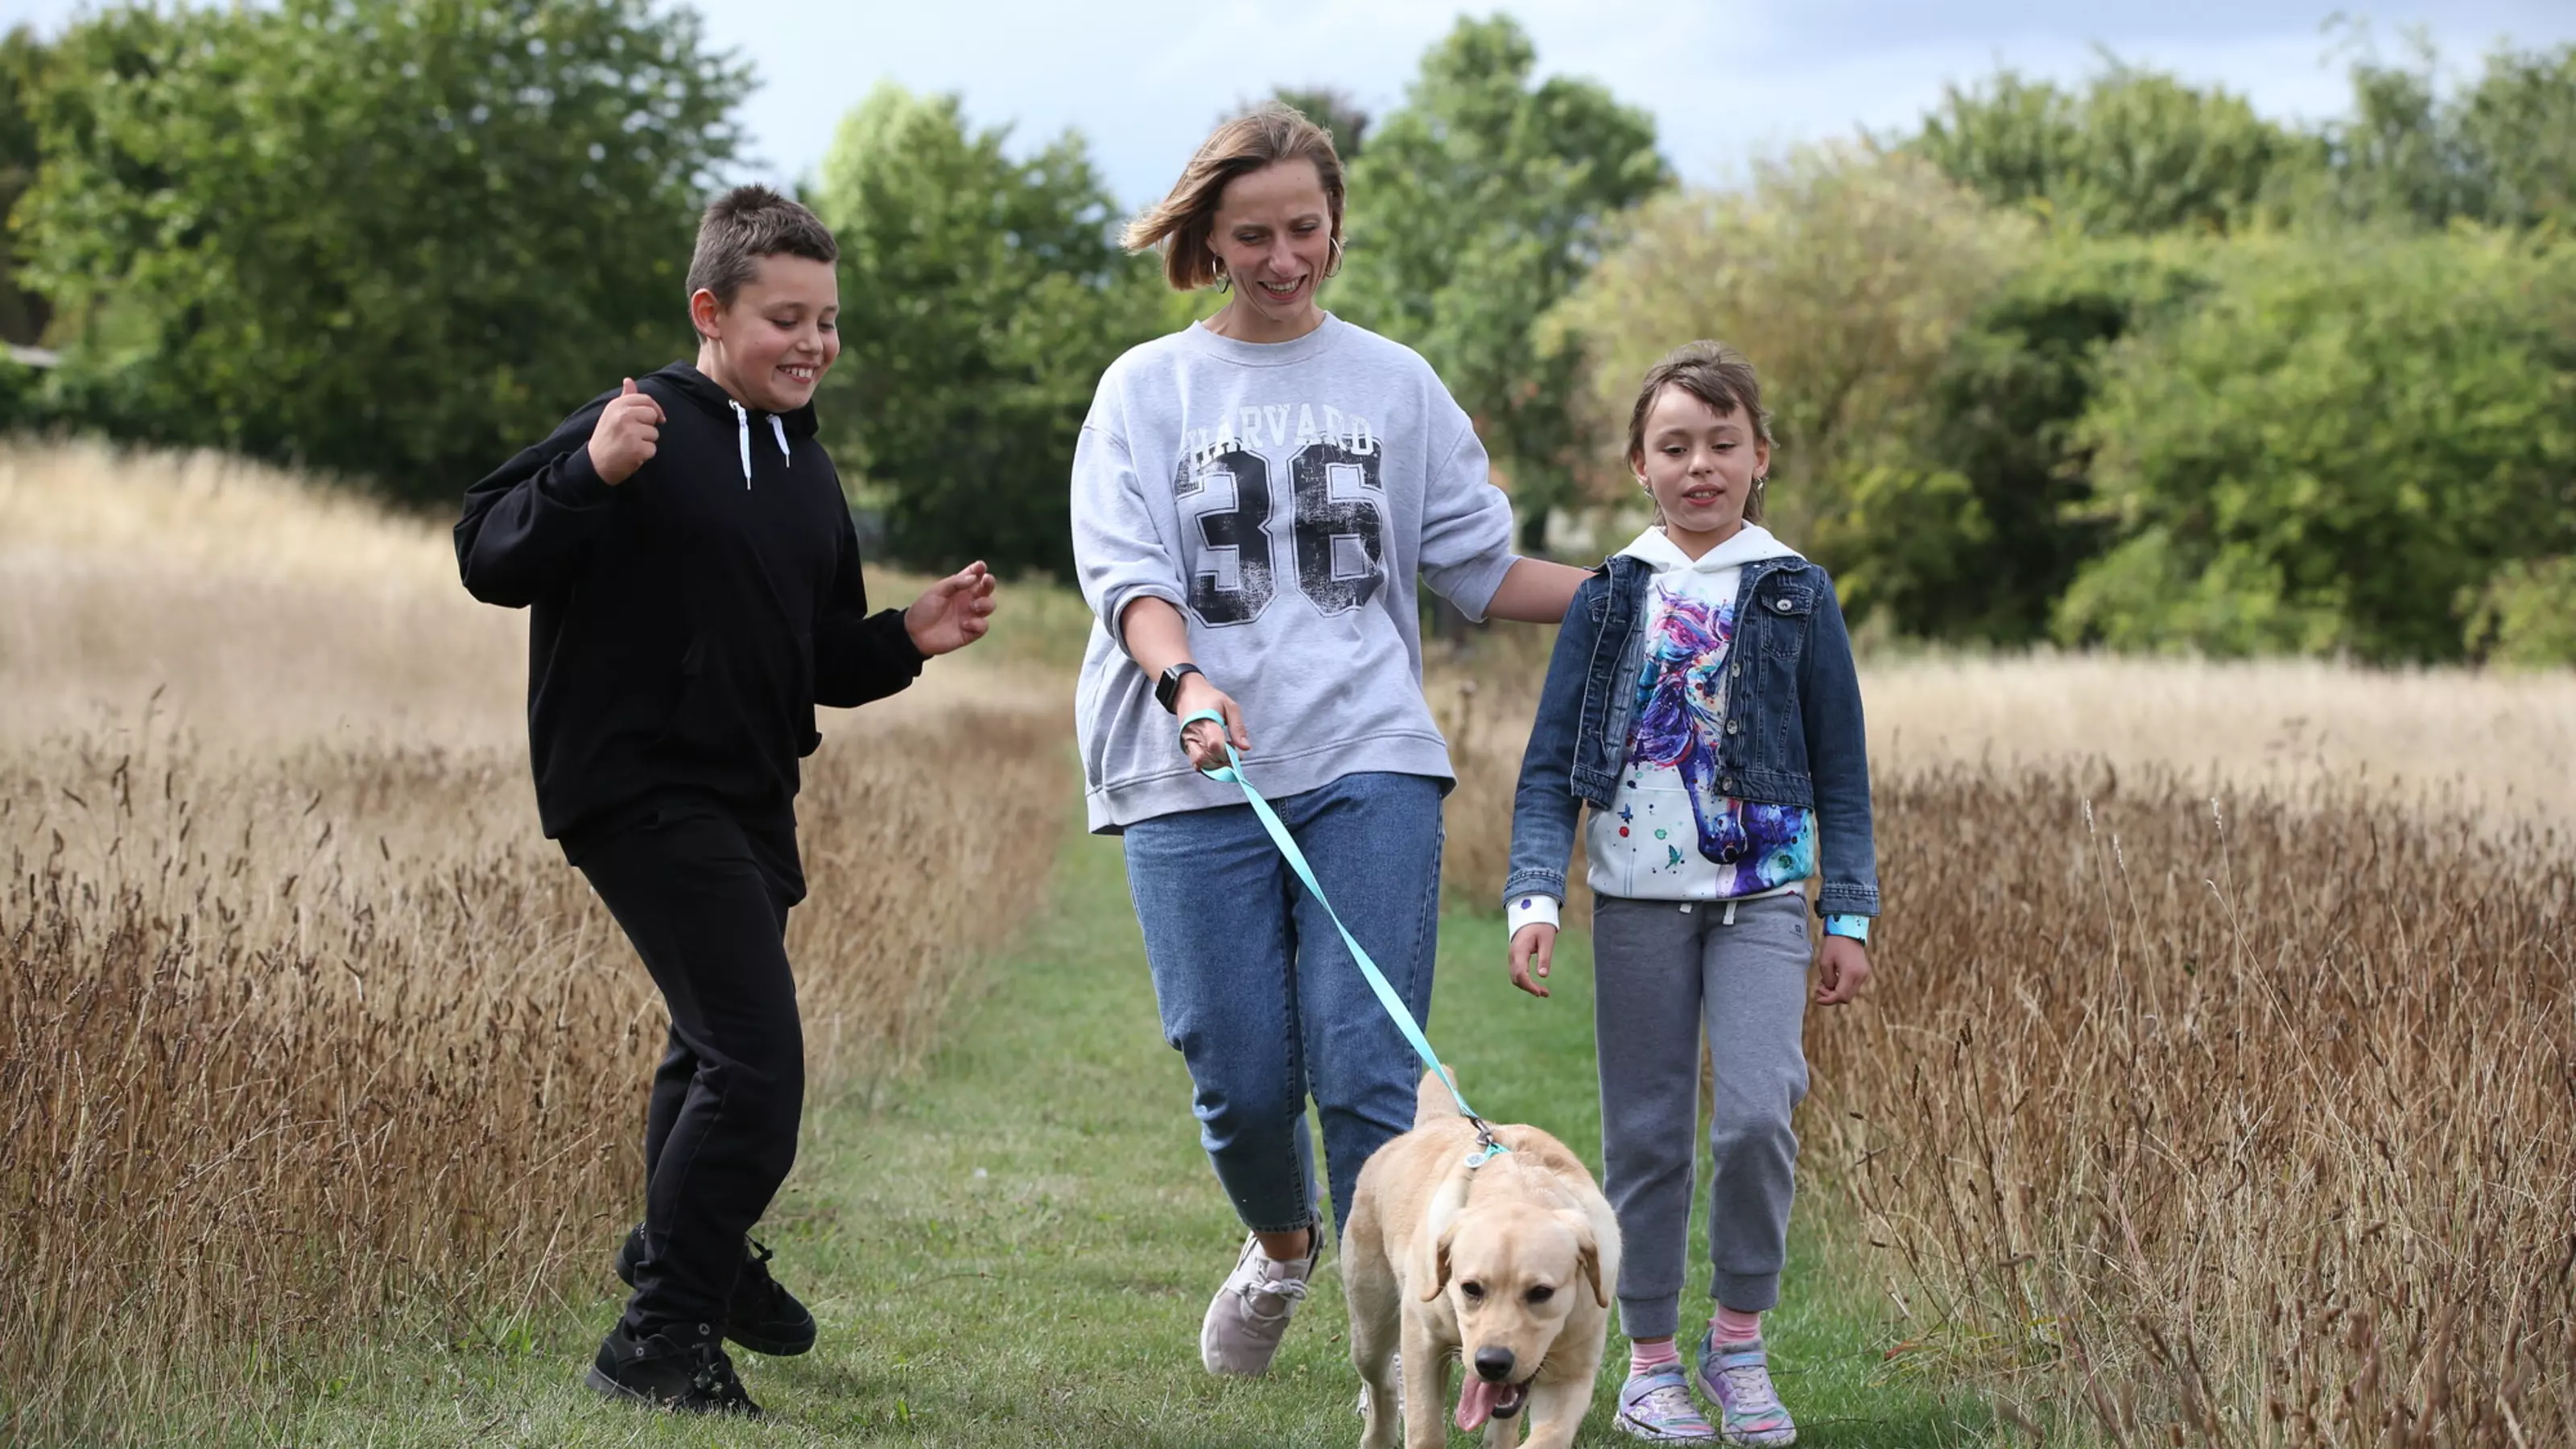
column 1476, row 1403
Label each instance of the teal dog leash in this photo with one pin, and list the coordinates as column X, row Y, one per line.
column 1231, row 773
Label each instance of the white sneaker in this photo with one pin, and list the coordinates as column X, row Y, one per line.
column 1250, row 1312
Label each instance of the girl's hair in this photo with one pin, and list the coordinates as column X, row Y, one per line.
column 1264, row 136
column 1717, row 375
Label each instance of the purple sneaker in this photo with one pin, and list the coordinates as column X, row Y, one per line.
column 1737, row 1378
column 1656, row 1406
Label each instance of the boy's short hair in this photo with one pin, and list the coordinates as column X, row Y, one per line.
column 749, row 223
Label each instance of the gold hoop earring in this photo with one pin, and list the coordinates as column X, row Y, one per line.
column 1333, row 268
column 1224, row 282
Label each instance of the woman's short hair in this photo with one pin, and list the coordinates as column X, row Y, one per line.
column 1180, row 223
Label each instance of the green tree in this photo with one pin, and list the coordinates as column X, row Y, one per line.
column 2526, row 614
column 2521, row 118
column 2338, row 450
column 981, row 298
column 394, row 239
column 1846, row 276
column 2002, row 418
column 1475, row 209
column 2399, row 154
column 23, row 314
column 2502, row 152
column 2136, row 151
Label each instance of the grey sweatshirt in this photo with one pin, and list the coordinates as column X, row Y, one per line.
column 1283, row 496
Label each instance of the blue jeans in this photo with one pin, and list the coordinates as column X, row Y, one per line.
column 1263, row 1000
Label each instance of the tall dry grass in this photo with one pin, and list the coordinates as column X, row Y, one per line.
column 2446, row 741
column 2485, row 746
column 2214, row 1090
column 303, row 1028
column 266, row 612
column 2247, row 1118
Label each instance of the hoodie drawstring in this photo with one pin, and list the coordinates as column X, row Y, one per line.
column 742, row 438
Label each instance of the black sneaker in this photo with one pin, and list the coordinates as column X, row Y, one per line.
column 684, row 1376
column 762, row 1316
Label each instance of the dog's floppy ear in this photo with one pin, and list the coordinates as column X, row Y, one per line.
column 1587, row 1245
column 1435, row 1278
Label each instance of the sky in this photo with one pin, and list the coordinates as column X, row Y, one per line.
column 1727, row 80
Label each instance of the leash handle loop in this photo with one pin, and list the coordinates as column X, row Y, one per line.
column 1231, row 773
column 1222, row 774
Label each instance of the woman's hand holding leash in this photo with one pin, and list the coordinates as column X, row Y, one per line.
column 1158, row 640
column 1533, row 948
column 1201, row 740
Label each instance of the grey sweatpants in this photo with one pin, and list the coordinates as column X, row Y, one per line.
column 1660, row 972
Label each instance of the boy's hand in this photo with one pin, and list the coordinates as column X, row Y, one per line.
column 628, row 433
column 1533, row 947
column 1842, row 969
column 953, row 612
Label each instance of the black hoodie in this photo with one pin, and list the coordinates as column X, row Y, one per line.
column 686, row 621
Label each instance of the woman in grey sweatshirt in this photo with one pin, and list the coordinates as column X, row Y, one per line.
column 1253, row 499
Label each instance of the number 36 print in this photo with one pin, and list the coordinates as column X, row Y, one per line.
column 1228, row 492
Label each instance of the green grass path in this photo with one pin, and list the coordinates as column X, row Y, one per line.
column 1016, row 1249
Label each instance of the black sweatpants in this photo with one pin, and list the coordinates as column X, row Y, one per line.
column 703, row 894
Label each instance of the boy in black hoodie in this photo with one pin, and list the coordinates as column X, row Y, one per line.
column 693, row 578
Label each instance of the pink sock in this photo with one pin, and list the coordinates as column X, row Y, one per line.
column 1730, row 1325
column 1645, row 1355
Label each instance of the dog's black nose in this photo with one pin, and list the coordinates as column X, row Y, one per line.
column 1494, row 1364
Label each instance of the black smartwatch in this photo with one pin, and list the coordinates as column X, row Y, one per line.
column 1167, row 690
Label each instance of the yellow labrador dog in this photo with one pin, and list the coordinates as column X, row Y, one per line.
column 1506, row 1267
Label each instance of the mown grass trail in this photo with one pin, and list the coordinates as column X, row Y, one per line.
column 1016, row 1249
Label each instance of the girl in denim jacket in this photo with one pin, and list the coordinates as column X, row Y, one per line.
column 1702, row 700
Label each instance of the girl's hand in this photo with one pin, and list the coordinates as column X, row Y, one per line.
column 1842, row 969
column 1533, row 947
column 1202, row 741
column 953, row 612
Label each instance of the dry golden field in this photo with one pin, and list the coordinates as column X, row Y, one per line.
column 2219, row 1086
column 2219, row 1082
column 302, row 1025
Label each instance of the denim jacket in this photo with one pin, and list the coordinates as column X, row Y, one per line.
column 1793, row 722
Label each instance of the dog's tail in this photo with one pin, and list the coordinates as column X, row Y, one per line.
column 1432, row 1102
